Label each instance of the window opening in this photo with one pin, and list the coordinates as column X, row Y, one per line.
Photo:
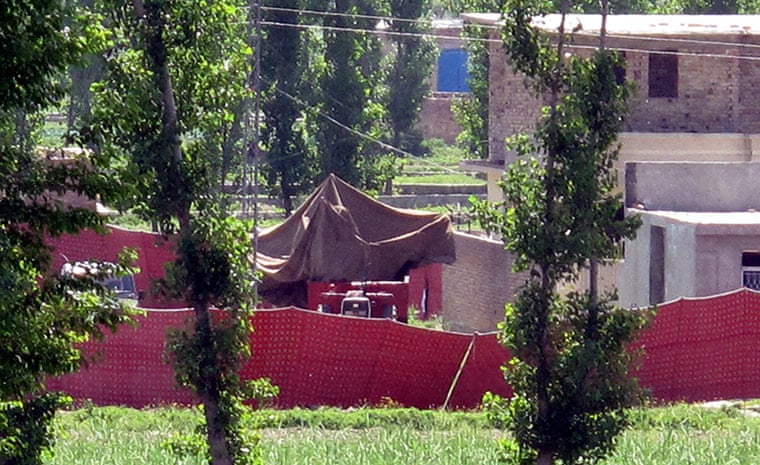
column 751, row 270
column 663, row 75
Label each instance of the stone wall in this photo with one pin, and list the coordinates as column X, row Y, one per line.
column 478, row 284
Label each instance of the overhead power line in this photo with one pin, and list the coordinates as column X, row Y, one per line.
column 355, row 132
column 642, row 38
column 496, row 28
column 324, row 13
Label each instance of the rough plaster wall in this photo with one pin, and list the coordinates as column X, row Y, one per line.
column 719, row 261
column 717, row 187
column 478, row 284
column 633, row 291
column 680, row 261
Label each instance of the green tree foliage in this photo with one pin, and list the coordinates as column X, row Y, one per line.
column 471, row 112
column 289, row 167
column 81, row 76
column 569, row 366
column 712, row 7
column 411, row 62
column 347, row 103
column 175, row 78
column 43, row 313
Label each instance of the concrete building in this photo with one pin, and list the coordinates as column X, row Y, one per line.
column 697, row 80
column 700, row 235
column 697, row 99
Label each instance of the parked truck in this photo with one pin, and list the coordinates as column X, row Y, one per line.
column 367, row 299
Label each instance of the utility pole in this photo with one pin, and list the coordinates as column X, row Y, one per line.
column 253, row 153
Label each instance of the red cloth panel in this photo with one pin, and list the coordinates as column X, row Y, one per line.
column 315, row 359
column 703, row 349
column 128, row 368
column 694, row 350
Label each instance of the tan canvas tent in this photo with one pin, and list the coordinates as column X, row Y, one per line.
column 339, row 233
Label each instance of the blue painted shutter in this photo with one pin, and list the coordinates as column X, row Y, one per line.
column 452, row 71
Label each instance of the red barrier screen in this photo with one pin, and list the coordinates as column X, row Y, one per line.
column 704, row 349
column 315, row 359
column 695, row 349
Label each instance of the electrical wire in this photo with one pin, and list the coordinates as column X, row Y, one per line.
column 323, row 13
column 365, row 136
column 496, row 28
column 378, row 32
column 568, row 45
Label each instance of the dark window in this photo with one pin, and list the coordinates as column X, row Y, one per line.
column 656, row 265
column 750, row 258
column 751, row 270
column 452, row 71
column 620, row 70
column 663, row 75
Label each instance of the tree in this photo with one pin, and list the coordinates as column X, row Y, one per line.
column 81, row 76
column 174, row 80
column 289, row 168
column 700, row 7
column 43, row 313
column 346, row 105
column 570, row 362
column 471, row 112
column 411, row 62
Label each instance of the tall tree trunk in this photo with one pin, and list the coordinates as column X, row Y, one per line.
column 210, row 390
column 543, row 375
column 158, row 57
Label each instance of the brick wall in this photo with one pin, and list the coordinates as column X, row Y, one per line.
column 512, row 108
column 478, row 284
column 717, row 91
column 437, row 120
column 749, row 96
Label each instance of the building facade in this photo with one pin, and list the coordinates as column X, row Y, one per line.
column 697, row 106
column 700, row 232
column 697, row 81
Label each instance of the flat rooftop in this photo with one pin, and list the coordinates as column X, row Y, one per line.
column 652, row 25
column 710, row 223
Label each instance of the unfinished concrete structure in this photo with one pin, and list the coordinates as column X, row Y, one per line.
column 700, row 234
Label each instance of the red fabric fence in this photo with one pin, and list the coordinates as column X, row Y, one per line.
column 695, row 349
column 314, row 358
column 704, row 349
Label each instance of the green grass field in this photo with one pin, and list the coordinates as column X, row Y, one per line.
column 676, row 435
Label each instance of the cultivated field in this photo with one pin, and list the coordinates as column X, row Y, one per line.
column 676, row 435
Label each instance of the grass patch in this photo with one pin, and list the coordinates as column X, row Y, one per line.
column 367, row 418
column 673, row 435
column 381, row 446
column 682, row 434
column 114, row 435
column 442, row 178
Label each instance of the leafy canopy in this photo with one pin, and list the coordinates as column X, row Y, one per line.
column 561, row 214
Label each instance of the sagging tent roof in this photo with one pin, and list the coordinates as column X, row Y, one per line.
column 339, row 233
